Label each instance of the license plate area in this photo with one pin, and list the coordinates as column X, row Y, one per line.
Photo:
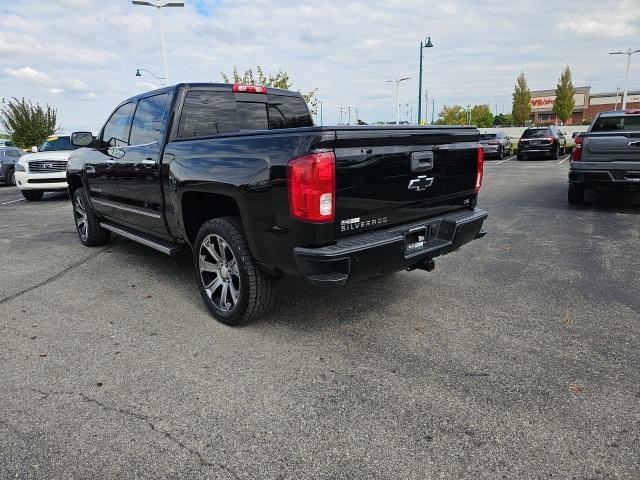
column 420, row 238
column 632, row 175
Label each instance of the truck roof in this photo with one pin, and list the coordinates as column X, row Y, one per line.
column 617, row 113
column 270, row 90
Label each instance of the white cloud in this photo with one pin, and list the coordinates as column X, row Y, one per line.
column 346, row 49
column 27, row 73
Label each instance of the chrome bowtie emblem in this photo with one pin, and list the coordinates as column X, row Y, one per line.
column 420, row 184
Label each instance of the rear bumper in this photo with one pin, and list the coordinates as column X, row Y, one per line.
column 609, row 174
column 541, row 151
column 376, row 253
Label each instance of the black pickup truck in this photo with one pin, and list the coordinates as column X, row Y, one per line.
column 241, row 176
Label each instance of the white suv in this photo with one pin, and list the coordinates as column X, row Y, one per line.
column 44, row 170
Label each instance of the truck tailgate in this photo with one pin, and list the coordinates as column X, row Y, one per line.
column 612, row 147
column 392, row 175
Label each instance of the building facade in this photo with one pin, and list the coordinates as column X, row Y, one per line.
column 587, row 105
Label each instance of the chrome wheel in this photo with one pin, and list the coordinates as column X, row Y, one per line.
column 219, row 273
column 80, row 214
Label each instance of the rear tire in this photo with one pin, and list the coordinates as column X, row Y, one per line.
column 555, row 154
column 520, row 157
column 575, row 194
column 233, row 288
column 90, row 232
column 501, row 153
column 32, row 195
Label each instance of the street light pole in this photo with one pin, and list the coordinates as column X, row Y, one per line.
column 398, row 80
column 423, row 44
column 158, row 6
column 628, row 53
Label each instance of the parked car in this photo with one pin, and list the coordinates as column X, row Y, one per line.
column 6, row 143
column 607, row 155
column 45, row 170
column 496, row 144
column 8, row 158
column 542, row 142
column 240, row 175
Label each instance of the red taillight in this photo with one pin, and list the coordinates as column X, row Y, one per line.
column 311, row 180
column 494, row 142
column 576, row 154
column 632, row 112
column 479, row 168
column 237, row 88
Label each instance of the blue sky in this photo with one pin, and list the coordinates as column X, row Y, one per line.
column 81, row 55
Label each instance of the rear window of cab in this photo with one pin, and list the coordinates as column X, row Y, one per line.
column 209, row 113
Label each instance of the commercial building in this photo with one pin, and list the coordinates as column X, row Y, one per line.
column 587, row 106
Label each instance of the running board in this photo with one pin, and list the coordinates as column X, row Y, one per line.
column 163, row 246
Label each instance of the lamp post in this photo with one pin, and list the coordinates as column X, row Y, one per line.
column 628, row 53
column 397, row 81
column 158, row 6
column 423, row 44
column 138, row 74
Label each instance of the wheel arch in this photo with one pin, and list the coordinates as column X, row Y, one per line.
column 199, row 206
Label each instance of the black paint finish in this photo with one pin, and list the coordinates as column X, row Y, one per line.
column 245, row 173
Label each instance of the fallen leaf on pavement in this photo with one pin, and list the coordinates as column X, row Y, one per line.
column 577, row 389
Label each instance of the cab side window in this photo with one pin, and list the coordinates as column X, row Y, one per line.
column 149, row 120
column 116, row 130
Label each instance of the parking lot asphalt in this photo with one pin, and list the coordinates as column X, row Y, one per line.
column 518, row 357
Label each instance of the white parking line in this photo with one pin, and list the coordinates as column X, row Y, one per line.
column 12, row 201
column 506, row 159
column 564, row 160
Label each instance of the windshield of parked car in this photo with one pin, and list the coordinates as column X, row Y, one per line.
column 55, row 144
column 488, row 136
column 536, row 133
column 617, row 123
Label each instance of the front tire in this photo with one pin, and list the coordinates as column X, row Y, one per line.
column 575, row 194
column 90, row 232
column 231, row 285
column 10, row 177
column 32, row 195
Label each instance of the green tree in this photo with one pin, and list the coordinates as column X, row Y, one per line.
column 503, row 120
column 481, row 116
column 28, row 124
column 452, row 115
column 564, row 103
column 521, row 101
column 278, row 80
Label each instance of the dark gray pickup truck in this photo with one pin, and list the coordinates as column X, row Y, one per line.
column 607, row 155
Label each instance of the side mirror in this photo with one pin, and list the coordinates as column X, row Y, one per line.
column 81, row 139
column 34, row 149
